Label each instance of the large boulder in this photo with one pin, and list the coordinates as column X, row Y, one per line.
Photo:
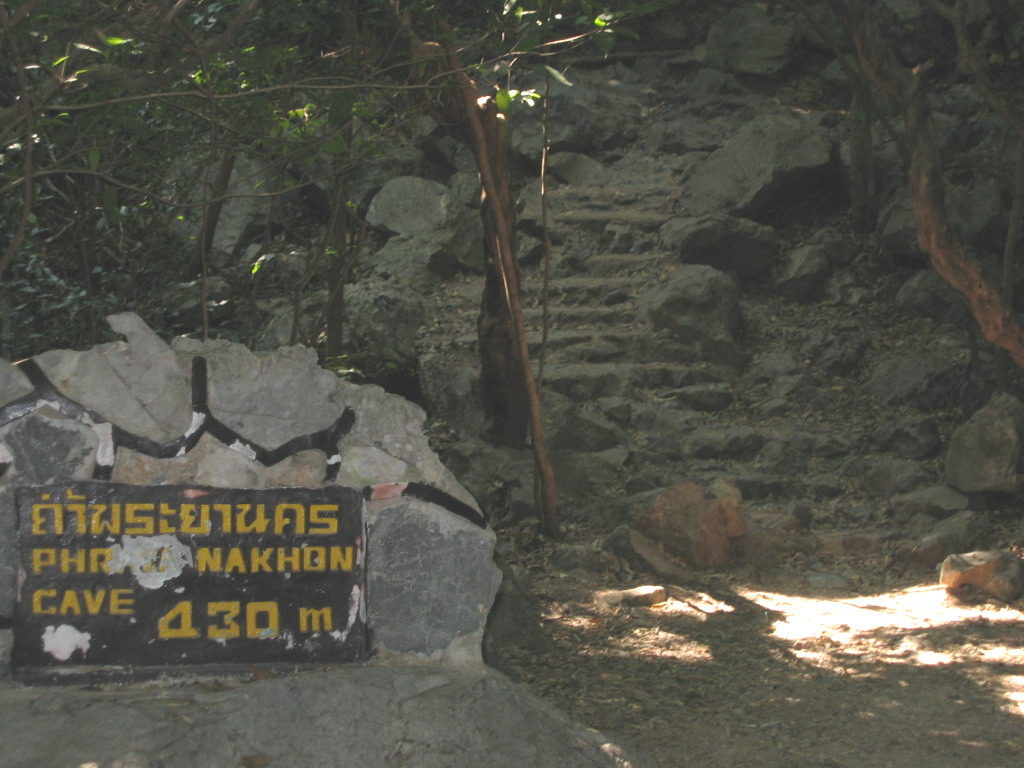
column 429, row 717
column 775, row 164
column 697, row 303
column 920, row 379
column 927, row 293
column 749, row 41
column 409, row 206
column 693, row 526
column 985, row 451
column 729, row 244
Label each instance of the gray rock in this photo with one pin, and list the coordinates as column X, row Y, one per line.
column 937, row 501
column 985, row 451
column 749, row 41
column 838, row 349
column 396, row 160
column 729, row 244
column 772, row 365
column 514, row 622
column 574, row 168
column 958, row 533
column 707, row 84
column 13, row 383
column 417, row 263
column 465, row 188
column 566, row 426
column 910, row 437
column 889, row 477
column 586, row 475
column 409, row 206
column 45, row 447
column 385, row 319
column 696, row 303
column 140, row 386
column 432, row 579
column 920, row 379
column 976, row 212
column 687, row 134
column 452, row 393
column 927, row 293
column 804, row 274
column 723, row 442
column 768, row 165
column 369, row 716
column 706, row 397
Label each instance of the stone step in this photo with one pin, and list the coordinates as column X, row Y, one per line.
column 590, row 381
column 610, row 264
column 583, row 290
column 589, row 218
column 583, row 315
column 595, row 346
column 662, row 197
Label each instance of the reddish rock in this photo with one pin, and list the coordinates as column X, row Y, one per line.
column 695, row 527
column 999, row 574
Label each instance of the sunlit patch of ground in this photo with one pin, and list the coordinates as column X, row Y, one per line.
column 922, row 626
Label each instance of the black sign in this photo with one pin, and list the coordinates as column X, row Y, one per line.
column 154, row 575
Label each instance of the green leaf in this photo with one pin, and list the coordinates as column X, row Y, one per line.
column 503, row 100
column 553, row 73
column 335, row 145
column 94, row 159
column 59, row 61
column 118, row 40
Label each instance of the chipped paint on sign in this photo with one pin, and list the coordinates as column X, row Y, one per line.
column 153, row 560
column 61, row 642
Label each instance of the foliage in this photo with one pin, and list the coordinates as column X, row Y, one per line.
column 118, row 115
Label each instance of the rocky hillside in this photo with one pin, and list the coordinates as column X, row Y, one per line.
column 713, row 316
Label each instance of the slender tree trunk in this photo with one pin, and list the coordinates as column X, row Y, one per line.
column 905, row 90
column 337, row 248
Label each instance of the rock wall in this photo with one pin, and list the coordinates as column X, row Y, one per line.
column 214, row 413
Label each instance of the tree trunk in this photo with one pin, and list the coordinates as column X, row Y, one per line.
column 905, row 90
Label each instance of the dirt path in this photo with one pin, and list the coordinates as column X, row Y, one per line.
column 733, row 672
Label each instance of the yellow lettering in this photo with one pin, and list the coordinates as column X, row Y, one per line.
column 176, row 624
column 342, row 557
column 297, row 514
column 259, row 560
column 122, row 602
column 72, row 562
column 315, row 619
column 37, row 600
column 286, row 562
column 142, row 526
column 229, row 611
column 262, row 620
column 314, row 558
column 258, row 524
column 189, row 523
column 70, row 604
column 94, row 600
column 99, row 526
column 235, row 561
column 43, row 558
column 225, row 517
column 39, row 518
column 209, row 559
column 99, row 560
column 319, row 524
